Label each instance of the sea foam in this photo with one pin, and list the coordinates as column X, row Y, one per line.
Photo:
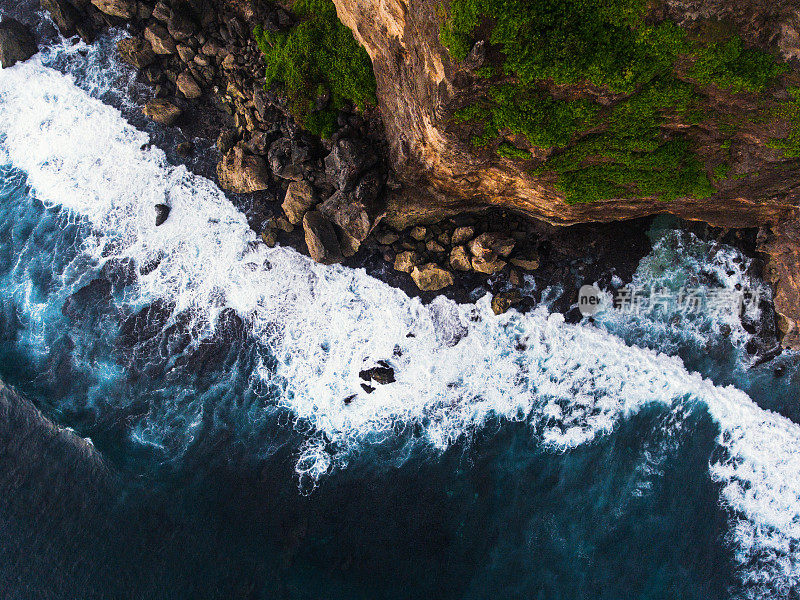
column 456, row 365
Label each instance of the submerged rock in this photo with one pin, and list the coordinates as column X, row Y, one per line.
column 16, row 42
column 382, row 374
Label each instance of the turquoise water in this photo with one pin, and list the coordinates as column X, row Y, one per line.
column 514, row 457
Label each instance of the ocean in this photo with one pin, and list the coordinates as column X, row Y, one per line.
column 216, row 441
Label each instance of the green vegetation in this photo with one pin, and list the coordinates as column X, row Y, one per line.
column 721, row 171
column 624, row 150
column 318, row 58
column 510, row 151
column 791, row 112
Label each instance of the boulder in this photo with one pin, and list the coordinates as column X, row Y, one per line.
column 462, row 235
column 352, row 216
column 348, row 159
column 161, row 11
column 383, row 374
column 418, row 233
column 459, row 259
column 406, row 261
column 162, row 111
column 136, row 52
column 16, row 42
column 242, row 173
column 162, row 214
column 298, row 201
column 160, row 40
column 124, row 9
column 487, row 264
column 323, row 245
column 504, row 300
column 431, row 277
column 491, row 243
column 180, row 26
column 287, row 158
column 187, row 86
column 226, row 140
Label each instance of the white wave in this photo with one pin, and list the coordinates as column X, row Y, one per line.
column 456, row 365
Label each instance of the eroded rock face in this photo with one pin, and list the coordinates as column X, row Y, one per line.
column 416, row 83
column 162, row 111
column 782, row 248
column 136, row 52
column 125, row 9
column 321, row 240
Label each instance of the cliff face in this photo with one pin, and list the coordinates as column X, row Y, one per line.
column 420, row 86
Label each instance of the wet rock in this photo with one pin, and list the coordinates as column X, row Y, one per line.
column 459, row 259
column 16, row 42
column 431, row 277
column 284, row 225
column 242, row 173
column 382, row 375
column 487, row 244
column 187, row 86
column 388, row 238
column 287, row 159
column 406, row 261
column 298, row 201
column 530, row 263
column 462, row 235
column 348, row 159
column 162, row 214
column 270, row 237
column 504, row 300
column 87, row 299
column 162, row 111
column 321, row 240
column 124, row 9
column 347, row 243
column 160, row 40
column 136, row 52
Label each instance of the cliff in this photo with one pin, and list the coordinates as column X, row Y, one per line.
column 746, row 175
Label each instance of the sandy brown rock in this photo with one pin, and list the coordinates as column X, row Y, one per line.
column 431, row 277
column 162, row 111
column 783, row 270
column 188, row 86
column 406, row 261
column 160, row 39
column 298, row 201
column 459, row 259
column 242, row 173
column 124, row 9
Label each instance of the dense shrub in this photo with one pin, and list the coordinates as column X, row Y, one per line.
column 319, row 57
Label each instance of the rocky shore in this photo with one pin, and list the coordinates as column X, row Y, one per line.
column 328, row 197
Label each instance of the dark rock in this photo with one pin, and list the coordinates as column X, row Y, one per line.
column 321, row 240
column 382, row 375
column 180, row 26
column 287, row 158
column 227, row 139
column 161, row 12
column 347, row 160
column 66, row 17
column 16, row 42
column 185, row 149
column 87, row 299
column 368, row 188
column 162, row 214
column 136, row 52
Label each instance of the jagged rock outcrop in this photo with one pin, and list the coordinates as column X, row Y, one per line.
column 16, row 42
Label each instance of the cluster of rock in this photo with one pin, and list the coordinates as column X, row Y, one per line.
column 432, row 255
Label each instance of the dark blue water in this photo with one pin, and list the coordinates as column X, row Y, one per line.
column 514, row 457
